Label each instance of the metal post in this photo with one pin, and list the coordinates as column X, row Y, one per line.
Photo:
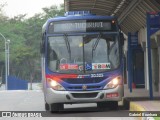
column 129, row 63
column 6, row 71
column 149, row 57
column 128, row 60
column 8, row 41
column 6, row 74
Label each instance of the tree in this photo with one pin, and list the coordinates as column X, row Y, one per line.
column 25, row 36
column 2, row 16
column 54, row 11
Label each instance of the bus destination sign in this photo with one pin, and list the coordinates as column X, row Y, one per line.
column 81, row 26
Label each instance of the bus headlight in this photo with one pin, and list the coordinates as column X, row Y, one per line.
column 113, row 83
column 55, row 85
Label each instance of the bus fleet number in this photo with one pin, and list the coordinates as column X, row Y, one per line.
column 96, row 75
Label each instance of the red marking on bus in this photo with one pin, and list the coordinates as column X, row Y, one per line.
column 60, row 76
column 153, row 13
column 112, row 95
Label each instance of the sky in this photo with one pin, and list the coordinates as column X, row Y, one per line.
column 30, row 7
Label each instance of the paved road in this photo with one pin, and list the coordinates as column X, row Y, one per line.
column 34, row 101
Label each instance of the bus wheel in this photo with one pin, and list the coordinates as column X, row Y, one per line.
column 56, row 107
column 46, row 106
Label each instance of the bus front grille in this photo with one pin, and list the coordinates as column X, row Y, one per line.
column 80, row 87
column 84, row 95
column 84, row 80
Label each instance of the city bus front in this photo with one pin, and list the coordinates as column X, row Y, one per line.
column 83, row 64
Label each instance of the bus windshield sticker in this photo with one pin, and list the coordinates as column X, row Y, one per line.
column 88, row 66
column 63, row 66
column 68, row 67
column 101, row 66
column 73, row 66
column 80, row 67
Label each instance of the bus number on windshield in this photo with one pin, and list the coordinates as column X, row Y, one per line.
column 96, row 75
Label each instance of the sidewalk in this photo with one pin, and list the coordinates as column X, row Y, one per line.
column 139, row 100
column 35, row 86
column 145, row 105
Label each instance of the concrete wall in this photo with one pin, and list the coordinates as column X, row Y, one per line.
column 155, row 42
column 155, row 68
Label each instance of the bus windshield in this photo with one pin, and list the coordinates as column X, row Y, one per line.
column 83, row 53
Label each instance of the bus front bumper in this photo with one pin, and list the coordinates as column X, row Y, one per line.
column 52, row 96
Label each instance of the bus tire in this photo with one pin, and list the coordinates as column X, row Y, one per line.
column 46, row 106
column 56, row 107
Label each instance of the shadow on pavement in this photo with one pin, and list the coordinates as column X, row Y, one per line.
column 88, row 112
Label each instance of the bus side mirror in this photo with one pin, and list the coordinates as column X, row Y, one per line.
column 122, row 39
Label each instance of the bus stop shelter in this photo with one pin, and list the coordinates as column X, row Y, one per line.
column 135, row 19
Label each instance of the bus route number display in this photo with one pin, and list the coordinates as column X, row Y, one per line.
column 80, row 26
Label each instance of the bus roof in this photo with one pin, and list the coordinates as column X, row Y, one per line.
column 77, row 17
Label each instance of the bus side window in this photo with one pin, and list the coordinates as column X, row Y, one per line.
column 53, row 60
column 52, row 55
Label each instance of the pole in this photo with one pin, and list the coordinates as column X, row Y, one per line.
column 149, row 57
column 8, row 42
column 6, row 71
column 129, row 63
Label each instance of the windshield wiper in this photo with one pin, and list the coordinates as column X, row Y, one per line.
column 67, row 45
column 96, row 43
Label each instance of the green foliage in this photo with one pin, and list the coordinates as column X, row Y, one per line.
column 25, row 37
column 157, row 118
column 54, row 11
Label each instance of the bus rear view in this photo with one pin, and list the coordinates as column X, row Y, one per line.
column 82, row 61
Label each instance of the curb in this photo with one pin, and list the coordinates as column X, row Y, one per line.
column 137, row 107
